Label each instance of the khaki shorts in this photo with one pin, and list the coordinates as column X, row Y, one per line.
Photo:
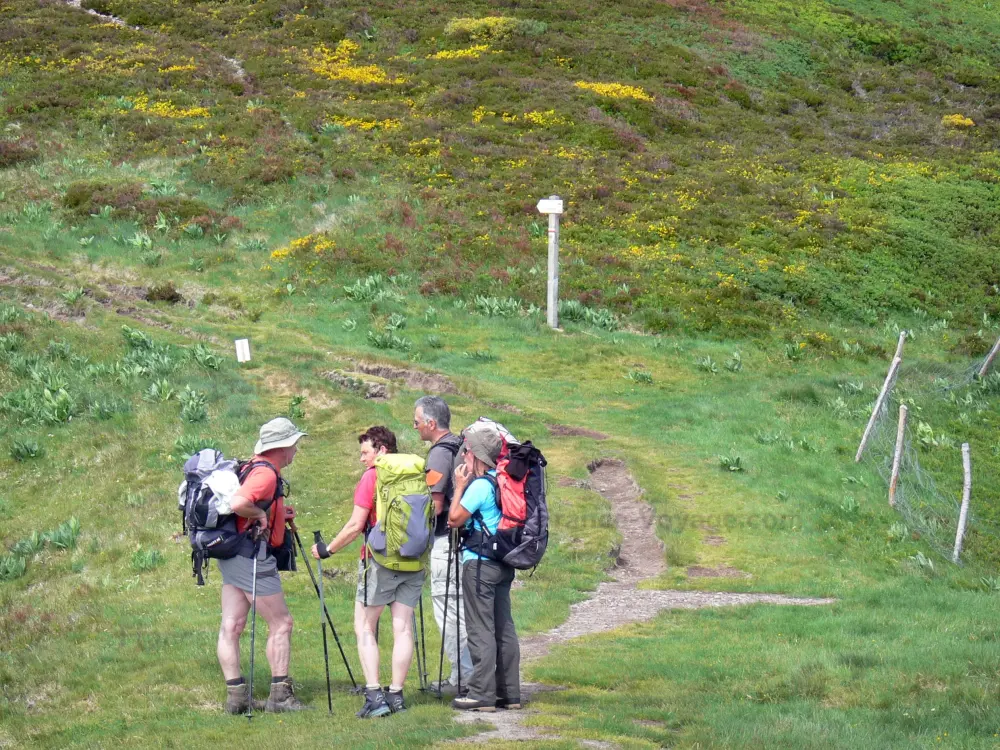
column 387, row 586
column 238, row 571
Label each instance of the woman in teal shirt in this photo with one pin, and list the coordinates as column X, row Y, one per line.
column 493, row 644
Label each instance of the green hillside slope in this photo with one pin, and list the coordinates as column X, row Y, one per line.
column 728, row 165
column 761, row 196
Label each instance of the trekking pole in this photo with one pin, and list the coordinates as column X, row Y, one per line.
column 323, row 552
column 444, row 621
column 423, row 645
column 458, row 613
column 421, row 658
column 416, row 649
column 329, row 620
column 253, row 624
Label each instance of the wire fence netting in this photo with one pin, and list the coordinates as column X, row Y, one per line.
column 927, row 510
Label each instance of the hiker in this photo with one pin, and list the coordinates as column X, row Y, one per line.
column 496, row 653
column 378, row 586
column 432, row 420
column 259, row 505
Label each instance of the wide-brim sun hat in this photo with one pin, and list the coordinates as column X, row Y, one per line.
column 278, row 433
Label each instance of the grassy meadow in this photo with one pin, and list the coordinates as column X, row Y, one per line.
column 761, row 196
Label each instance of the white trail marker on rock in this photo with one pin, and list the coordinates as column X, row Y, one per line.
column 242, row 350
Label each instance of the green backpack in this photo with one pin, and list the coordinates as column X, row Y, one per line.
column 403, row 532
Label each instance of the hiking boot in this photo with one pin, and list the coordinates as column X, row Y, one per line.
column 238, row 700
column 503, row 703
column 395, row 701
column 465, row 703
column 282, row 699
column 375, row 704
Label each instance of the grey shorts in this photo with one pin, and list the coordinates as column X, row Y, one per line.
column 238, row 571
column 387, row 586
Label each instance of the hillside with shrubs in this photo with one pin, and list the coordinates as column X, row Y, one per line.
column 762, row 196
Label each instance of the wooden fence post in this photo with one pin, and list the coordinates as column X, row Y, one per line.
column 899, row 346
column 897, row 456
column 879, row 403
column 963, row 515
column 989, row 360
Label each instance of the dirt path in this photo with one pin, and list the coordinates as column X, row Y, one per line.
column 616, row 602
column 232, row 64
column 104, row 17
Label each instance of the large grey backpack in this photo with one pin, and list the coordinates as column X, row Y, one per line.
column 204, row 499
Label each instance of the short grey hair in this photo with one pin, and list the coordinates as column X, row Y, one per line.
column 435, row 408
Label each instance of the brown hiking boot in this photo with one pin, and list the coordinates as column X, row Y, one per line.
column 282, row 699
column 237, row 699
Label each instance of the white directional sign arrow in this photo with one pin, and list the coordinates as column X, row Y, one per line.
column 550, row 206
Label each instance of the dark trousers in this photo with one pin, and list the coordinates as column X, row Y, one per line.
column 496, row 654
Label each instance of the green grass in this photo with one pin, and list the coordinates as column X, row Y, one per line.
column 789, row 200
column 796, row 450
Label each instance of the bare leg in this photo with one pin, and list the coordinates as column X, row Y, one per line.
column 365, row 622
column 279, row 631
column 235, row 606
column 402, row 642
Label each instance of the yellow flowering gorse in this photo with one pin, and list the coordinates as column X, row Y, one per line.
column 957, row 121
column 540, row 118
column 490, row 28
column 169, row 110
column 359, row 124
column 336, row 65
column 310, row 244
column 615, row 90
column 469, row 53
column 546, row 119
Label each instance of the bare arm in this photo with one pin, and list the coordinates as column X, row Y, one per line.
column 458, row 515
column 352, row 530
column 438, row 498
column 245, row 508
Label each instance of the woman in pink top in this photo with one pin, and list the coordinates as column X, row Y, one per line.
column 377, row 587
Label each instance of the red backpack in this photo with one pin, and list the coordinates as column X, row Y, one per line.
column 519, row 488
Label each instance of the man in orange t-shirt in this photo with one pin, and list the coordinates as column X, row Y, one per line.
column 260, row 503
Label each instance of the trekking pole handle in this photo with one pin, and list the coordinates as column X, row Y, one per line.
column 321, row 545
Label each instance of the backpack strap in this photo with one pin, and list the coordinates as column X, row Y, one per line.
column 451, row 447
column 366, row 561
column 477, row 516
column 484, row 533
column 496, row 486
column 281, row 488
column 198, row 563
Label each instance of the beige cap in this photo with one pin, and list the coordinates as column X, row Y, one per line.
column 278, row 433
column 484, row 441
